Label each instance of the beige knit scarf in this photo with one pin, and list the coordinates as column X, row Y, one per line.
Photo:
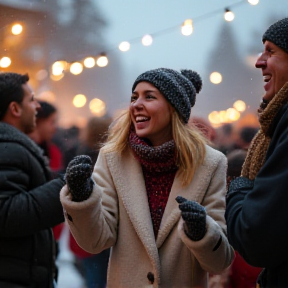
column 257, row 152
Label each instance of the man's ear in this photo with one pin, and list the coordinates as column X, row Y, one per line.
column 15, row 109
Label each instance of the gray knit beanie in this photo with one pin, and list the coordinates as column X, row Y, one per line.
column 178, row 88
column 277, row 33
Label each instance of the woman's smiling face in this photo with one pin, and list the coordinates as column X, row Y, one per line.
column 151, row 114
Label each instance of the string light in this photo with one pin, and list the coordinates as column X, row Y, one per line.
column 187, row 27
column 5, row 62
column 147, row 40
column 214, row 118
column 79, row 100
column 17, row 29
column 229, row 15
column 89, row 62
column 253, row 2
column 102, row 61
column 76, row 68
column 232, row 114
column 124, row 46
column 97, row 107
column 215, row 77
column 239, row 105
column 58, row 67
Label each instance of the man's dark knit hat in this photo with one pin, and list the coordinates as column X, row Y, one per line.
column 178, row 88
column 277, row 33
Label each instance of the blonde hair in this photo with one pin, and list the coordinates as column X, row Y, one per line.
column 189, row 143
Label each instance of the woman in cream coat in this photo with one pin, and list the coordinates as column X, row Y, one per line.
column 130, row 204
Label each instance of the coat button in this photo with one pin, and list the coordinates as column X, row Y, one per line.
column 150, row 277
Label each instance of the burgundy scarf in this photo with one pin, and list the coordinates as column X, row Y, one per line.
column 159, row 169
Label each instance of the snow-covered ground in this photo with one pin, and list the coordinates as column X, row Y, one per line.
column 68, row 276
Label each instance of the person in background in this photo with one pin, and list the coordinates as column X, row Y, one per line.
column 29, row 202
column 257, row 200
column 46, row 126
column 157, row 192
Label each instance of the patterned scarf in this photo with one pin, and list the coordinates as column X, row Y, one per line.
column 159, row 170
column 257, row 151
column 154, row 159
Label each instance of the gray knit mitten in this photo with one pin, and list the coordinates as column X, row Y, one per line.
column 194, row 216
column 78, row 178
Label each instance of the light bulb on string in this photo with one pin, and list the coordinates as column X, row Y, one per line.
column 79, row 100
column 232, row 114
column 89, row 62
column 76, row 68
column 229, row 15
column 102, row 61
column 253, row 2
column 58, row 67
column 214, row 118
column 124, row 46
column 187, row 27
column 239, row 105
column 147, row 40
column 17, row 29
column 97, row 107
column 5, row 62
column 215, row 77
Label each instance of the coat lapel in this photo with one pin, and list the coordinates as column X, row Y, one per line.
column 194, row 191
column 129, row 181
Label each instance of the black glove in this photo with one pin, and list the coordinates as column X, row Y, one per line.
column 194, row 216
column 78, row 178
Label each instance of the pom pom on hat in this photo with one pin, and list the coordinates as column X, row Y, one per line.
column 194, row 77
column 178, row 88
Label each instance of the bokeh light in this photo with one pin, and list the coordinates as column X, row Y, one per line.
column 58, row 67
column 102, row 61
column 97, row 107
column 79, row 100
column 187, row 27
column 229, row 15
column 239, row 105
column 89, row 62
column 147, row 40
column 5, row 62
column 214, row 117
column 76, row 68
column 253, row 2
column 232, row 115
column 215, row 77
column 17, row 29
column 124, row 46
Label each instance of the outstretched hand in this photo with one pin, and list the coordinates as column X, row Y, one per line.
column 194, row 216
column 78, row 178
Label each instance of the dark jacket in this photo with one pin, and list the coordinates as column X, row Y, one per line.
column 257, row 211
column 28, row 210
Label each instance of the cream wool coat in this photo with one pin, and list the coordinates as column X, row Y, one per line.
column 117, row 215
